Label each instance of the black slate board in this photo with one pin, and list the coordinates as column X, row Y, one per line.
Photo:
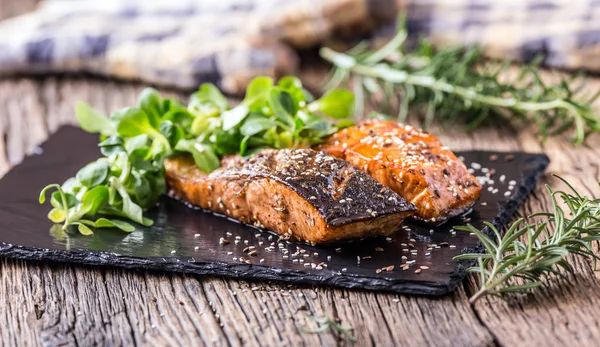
column 187, row 240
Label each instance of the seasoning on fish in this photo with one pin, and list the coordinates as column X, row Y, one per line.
column 300, row 194
column 411, row 162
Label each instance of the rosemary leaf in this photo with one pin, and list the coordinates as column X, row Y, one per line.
column 325, row 323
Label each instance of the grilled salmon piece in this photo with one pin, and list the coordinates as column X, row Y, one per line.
column 412, row 163
column 300, row 194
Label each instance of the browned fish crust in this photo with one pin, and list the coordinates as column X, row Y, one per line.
column 411, row 162
column 300, row 194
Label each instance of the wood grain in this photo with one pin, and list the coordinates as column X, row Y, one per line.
column 55, row 304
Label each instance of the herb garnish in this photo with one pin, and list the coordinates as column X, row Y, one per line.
column 460, row 86
column 130, row 177
column 329, row 323
column 533, row 251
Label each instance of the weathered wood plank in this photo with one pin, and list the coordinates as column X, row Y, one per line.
column 123, row 310
column 19, row 312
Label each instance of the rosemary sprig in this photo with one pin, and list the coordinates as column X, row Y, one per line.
column 325, row 323
column 459, row 86
column 533, row 251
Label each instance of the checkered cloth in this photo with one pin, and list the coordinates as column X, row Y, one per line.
column 566, row 32
column 184, row 43
column 180, row 43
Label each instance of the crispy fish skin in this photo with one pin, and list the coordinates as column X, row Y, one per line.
column 412, row 163
column 300, row 194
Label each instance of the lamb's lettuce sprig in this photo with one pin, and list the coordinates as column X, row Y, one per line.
column 134, row 142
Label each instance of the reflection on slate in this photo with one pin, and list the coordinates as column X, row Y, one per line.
column 187, row 240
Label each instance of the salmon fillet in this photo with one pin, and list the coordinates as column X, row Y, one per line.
column 412, row 163
column 300, row 194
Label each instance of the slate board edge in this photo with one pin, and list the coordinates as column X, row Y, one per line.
column 541, row 161
column 238, row 271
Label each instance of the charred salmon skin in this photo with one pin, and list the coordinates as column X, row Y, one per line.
column 413, row 163
column 300, row 194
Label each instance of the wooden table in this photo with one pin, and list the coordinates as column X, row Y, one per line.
column 58, row 304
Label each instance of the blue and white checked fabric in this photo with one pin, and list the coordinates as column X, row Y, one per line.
column 228, row 42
